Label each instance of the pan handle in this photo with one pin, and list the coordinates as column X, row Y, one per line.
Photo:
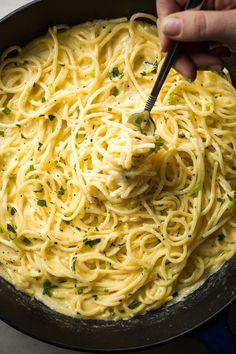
column 217, row 336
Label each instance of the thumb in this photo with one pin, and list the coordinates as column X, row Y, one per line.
column 196, row 26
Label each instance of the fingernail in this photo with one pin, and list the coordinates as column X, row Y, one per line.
column 171, row 26
column 215, row 67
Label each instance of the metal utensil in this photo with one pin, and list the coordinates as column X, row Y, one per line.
column 144, row 119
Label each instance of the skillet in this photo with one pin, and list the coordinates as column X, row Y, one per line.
column 32, row 317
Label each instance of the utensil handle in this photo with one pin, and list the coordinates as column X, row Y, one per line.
column 169, row 60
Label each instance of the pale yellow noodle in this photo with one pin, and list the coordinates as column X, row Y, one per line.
column 97, row 219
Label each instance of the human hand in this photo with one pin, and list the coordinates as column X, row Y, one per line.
column 216, row 22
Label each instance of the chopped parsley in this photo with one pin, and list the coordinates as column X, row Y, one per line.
column 77, row 228
column 62, row 65
column 173, row 99
column 43, row 99
column 116, row 73
column 138, row 122
column 11, row 228
column 159, row 143
column 41, row 190
column 6, row 111
column 220, row 200
column 95, row 297
column 42, row 203
column 134, row 304
column 92, row 243
column 196, row 189
column 47, row 288
column 39, row 146
column 143, row 73
column 93, row 73
column 73, row 264
column 1, row 229
column 22, row 136
column 230, row 202
column 26, row 241
column 51, row 117
column 221, row 237
column 154, row 65
column 2, row 133
column 114, row 92
column 61, row 191
column 32, row 168
column 13, row 211
column 18, row 125
column 80, row 291
column 56, row 163
column 109, row 109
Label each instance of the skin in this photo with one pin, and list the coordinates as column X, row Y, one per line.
column 215, row 23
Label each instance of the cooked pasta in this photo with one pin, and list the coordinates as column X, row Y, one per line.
column 97, row 219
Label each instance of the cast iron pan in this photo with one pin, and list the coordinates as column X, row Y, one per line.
column 35, row 319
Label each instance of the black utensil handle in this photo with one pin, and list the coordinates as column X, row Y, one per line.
column 169, row 60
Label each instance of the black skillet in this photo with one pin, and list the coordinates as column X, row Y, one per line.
column 35, row 319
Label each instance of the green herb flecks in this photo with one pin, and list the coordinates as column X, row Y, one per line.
column 42, row 203
column 26, row 241
column 43, row 99
column 41, row 190
column 10, row 228
column 92, row 243
column 116, row 73
column 13, row 211
column 230, row 203
column 51, row 117
column 39, row 146
column 73, row 263
column 114, row 92
column 196, row 189
column 154, row 66
column 61, row 191
column 138, row 122
column 6, row 111
column 134, row 304
column 173, row 100
column 80, row 291
column 93, row 74
column 48, row 287
column 2, row 133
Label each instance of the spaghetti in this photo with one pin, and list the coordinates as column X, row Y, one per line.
column 97, row 219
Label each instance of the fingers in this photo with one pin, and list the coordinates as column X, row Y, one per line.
column 206, row 61
column 195, row 26
column 200, row 58
column 165, row 8
column 186, row 67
